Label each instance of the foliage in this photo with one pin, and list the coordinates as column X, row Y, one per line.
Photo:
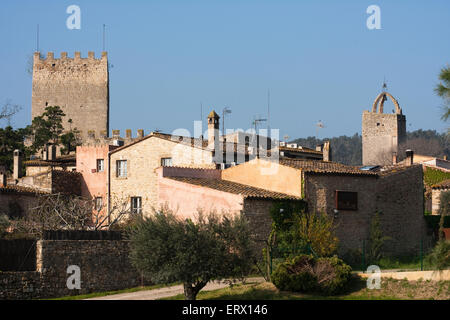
column 317, row 231
column 4, row 224
column 444, row 210
column 443, row 90
column 348, row 150
column 439, row 257
column 11, row 140
column 304, row 273
column 48, row 128
column 168, row 249
column 433, row 176
column 67, row 212
column 294, row 228
column 376, row 239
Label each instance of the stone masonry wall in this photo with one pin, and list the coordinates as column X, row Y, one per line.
column 80, row 86
column 104, row 266
column 382, row 134
column 143, row 158
column 352, row 226
column 401, row 202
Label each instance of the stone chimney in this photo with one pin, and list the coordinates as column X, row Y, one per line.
column 394, row 158
column 326, row 152
column 128, row 134
column 409, row 157
column 140, row 133
column 213, row 130
column 51, row 152
column 2, row 179
column 17, row 173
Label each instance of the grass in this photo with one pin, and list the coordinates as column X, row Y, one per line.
column 108, row 293
column 391, row 289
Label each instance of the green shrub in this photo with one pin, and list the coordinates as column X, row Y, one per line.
column 439, row 258
column 305, row 273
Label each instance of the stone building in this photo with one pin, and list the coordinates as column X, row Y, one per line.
column 187, row 191
column 436, row 191
column 383, row 134
column 353, row 196
column 80, row 86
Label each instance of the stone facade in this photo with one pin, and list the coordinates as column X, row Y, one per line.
column 143, row 158
column 383, row 136
column 104, row 266
column 80, row 86
column 352, row 226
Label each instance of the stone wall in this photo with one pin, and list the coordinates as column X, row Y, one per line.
column 400, row 200
column 352, row 226
column 80, row 86
column 382, row 134
column 143, row 158
column 104, row 266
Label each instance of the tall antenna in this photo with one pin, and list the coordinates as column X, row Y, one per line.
column 319, row 125
column 104, row 27
column 268, row 113
column 225, row 111
column 37, row 38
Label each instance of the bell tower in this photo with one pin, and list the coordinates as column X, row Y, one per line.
column 383, row 134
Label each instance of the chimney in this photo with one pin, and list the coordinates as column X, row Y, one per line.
column 319, row 147
column 2, row 180
column 394, row 158
column 445, row 157
column 409, row 157
column 140, row 133
column 17, row 164
column 51, row 152
column 326, row 152
column 213, row 130
column 116, row 134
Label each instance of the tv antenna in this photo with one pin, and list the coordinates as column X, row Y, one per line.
column 225, row 111
column 319, row 125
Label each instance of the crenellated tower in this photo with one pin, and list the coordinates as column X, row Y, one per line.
column 80, row 86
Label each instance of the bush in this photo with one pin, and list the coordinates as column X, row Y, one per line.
column 4, row 224
column 307, row 274
column 439, row 258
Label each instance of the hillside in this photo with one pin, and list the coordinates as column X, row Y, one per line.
column 348, row 150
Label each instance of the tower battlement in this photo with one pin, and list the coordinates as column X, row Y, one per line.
column 79, row 85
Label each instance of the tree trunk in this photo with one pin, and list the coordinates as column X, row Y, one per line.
column 191, row 291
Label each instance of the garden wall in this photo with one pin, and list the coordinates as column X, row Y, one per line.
column 104, row 266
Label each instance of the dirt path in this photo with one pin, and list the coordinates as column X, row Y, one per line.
column 166, row 292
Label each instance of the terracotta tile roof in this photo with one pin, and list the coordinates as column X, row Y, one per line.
column 236, row 188
column 327, row 167
column 20, row 190
column 442, row 185
column 303, row 149
column 65, row 160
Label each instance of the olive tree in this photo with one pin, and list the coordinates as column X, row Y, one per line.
column 170, row 249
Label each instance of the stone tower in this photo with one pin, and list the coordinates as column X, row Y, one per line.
column 383, row 134
column 80, row 86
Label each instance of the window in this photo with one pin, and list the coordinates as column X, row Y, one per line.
column 136, row 205
column 121, row 168
column 100, row 165
column 346, row 200
column 98, row 203
column 166, row 162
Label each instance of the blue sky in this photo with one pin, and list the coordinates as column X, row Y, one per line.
column 318, row 59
